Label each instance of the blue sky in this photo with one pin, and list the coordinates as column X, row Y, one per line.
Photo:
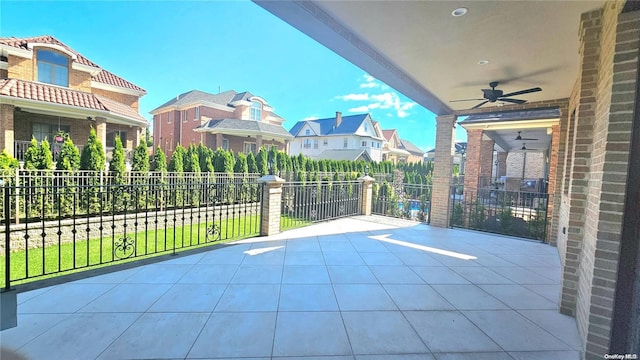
column 172, row 47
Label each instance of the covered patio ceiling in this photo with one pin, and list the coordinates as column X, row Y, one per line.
column 422, row 50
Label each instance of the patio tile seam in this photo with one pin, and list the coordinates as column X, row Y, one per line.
column 118, row 337
column 518, row 311
column 526, row 318
column 45, row 330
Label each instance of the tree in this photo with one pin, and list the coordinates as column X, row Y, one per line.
column 159, row 163
column 93, row 157
column 140, row 157
column 261, row 161
column 45, row 156
column 31, row 155
column 7, row 161
column 117, row 167
column 176, row 164
column 241, row 165
column 69, row 158
column 251, row 163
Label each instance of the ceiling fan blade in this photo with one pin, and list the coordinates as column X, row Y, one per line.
column 482, row 103
column 513, row 101
column 528, row 139
column 466, row 100
column 527, row 91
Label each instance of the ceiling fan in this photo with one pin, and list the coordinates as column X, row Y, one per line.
column 492, row 95
column 525, row 148
column 519, row 137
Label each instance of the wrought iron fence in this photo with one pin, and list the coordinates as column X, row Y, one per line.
column 516, row 213
column 66, row 227
column 409, row 201
column 305, row 203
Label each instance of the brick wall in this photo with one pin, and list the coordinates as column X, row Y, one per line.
column 130, row 100
column 79, row 80
column 597, row 147
column 79, row 128
column 4, row 73
column 486, row 158
column 20, row 68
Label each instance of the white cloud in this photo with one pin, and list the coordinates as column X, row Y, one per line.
column 354, row 97
column 369, row 85
column 311, row 118
column 362, row 108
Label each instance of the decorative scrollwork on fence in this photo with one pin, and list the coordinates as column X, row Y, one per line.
column 314, row 214
column 213, row 233
column 124, row 247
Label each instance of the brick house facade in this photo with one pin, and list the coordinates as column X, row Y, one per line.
column 47, row 88
column 240, row 122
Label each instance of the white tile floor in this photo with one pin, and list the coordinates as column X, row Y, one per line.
column 328, row 291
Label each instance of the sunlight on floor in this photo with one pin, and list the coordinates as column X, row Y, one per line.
column 254, row 252
column 386, row 238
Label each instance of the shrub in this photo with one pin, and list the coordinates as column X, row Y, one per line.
column 7, row 161
column 93, row 157
column 69, row 158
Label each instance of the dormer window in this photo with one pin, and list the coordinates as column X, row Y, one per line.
column 53, row 68
column 307, row 132
column 256, row 111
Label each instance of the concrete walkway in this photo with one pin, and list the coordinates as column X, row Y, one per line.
column 357, row 288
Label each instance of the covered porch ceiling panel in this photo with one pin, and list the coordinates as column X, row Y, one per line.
column 421, row 50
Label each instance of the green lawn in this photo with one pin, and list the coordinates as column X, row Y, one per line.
column 54, row 260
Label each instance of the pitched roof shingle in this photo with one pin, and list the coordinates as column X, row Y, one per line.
column 349, row 125
column 103, row 76
column 64, row 96
column 249, row 125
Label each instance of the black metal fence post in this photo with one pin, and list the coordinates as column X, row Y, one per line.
column 7, row 237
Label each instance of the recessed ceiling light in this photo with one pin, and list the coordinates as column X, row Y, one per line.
column 461, row 11
column 483, row 62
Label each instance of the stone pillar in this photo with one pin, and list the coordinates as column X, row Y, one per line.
column 473, row 162
column 258, row 142
column 136, row 136
column 367, row 194
column 271, row 202
column 442, row 170
column 6, row 128
column 101, row 132
column 218, row 140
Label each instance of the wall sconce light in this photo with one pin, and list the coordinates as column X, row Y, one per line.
column 90, row 119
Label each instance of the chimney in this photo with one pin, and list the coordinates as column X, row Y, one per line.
column 338, row 118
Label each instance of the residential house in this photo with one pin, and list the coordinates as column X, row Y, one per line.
column 392, row 147
column 460, row 150
column 416, row 155
column 49, row 90
column 240, row 122
column 352, row 137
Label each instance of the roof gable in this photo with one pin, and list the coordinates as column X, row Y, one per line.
column 349, row 125
column 103, row 76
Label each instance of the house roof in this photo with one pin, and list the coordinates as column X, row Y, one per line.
column 29, row 90
column 248, row 126
column 410, row 147
column 388, row 133
column 344, row 154
column 223, row 98
column 103, row 76
column 324, row 127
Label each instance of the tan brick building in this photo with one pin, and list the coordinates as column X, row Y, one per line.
column 230, row 120
column 48, row 89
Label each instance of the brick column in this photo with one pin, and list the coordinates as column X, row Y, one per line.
column 367, row 194
column 473, row 162
column 136, row 139
column 218, row 140
column 442, row 170
column 271, row 202
column 554, row 200
column 6, row 128
column 486, row 161
column 101, row 132
column 258, row 142
column 502, row 164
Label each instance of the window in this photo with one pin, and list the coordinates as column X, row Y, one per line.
column 53, row 68
column 366, row 127
column 111, row 138
column 364, row 143
column 325, row 142
column 307, row 132
column 256, row 111
column 345, row 144
column 249, row 147
column 170, row 119
column 307, row 144
column 184, row 116
column 48, row 131
column 197, row 117
column 225, row 144
column 315, row 143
